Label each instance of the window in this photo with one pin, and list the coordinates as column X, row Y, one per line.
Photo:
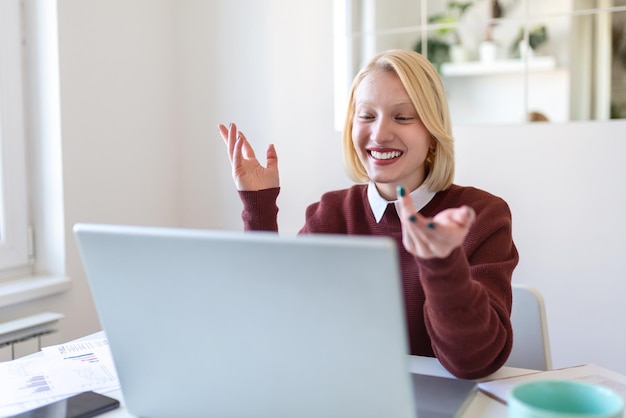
column 14, row 242
column 502, row 61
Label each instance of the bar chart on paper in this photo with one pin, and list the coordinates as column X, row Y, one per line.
column 29, row 382
column 58, row 372
column 38, row 384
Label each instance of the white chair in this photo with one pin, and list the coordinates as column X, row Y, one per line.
column 531, row 347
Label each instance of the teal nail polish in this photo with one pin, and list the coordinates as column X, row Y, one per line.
column 400, row 190
column 430, row 225
column 413, row 218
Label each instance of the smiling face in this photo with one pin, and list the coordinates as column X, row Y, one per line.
column 390, row 139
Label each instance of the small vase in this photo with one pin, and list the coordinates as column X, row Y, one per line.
column 488, row 51
column 525, row 50
column 458, row 53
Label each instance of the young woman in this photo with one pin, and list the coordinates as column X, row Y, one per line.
column 455, row 244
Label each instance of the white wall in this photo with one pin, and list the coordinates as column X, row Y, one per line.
column 503, row 99
column 267, row 66
column 563, row 183
column 144, row 83
column 119, row 120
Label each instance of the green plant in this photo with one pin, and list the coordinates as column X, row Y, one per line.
column 537, row 36
column 438, row 51
column 450, row 18
column 618, row 44
column 618, row 110
column 445, row 35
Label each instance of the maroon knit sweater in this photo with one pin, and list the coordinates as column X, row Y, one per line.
column 457, row 308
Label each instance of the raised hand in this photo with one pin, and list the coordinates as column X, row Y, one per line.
column 433, row 237
column 247, row 171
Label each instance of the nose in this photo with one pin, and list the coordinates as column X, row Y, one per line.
column 381, row 131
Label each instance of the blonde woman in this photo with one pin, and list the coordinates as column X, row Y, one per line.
column 455, row 243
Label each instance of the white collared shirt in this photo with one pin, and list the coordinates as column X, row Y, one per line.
column 420, row 196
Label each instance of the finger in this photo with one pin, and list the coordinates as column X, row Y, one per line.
column 470, row 215
column 225, row 133
column 416, row 237
column 271, row 157
column 406, row 203
column 223, row 130
column 423, row 221
column 407, row 209
column 237, row 153
column 464, row 216
column 248, row 151
column 232, row 140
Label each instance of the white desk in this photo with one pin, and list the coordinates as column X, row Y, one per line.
column 481, row 406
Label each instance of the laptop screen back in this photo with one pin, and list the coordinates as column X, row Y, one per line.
column 231, row 324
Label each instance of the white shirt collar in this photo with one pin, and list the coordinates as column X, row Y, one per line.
column 420, row 196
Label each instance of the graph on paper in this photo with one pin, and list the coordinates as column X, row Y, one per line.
column 61, row 371
column 87, row 364
column 28, row 381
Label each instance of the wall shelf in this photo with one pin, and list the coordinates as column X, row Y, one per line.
column 509, row 66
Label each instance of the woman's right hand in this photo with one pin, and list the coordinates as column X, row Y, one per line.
column 247, row 171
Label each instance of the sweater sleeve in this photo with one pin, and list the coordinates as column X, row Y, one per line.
column 468, row 296
column 260, row 212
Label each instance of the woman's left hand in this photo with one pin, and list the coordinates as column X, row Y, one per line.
column 433, row 237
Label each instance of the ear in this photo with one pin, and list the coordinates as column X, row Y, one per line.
column 433, row 145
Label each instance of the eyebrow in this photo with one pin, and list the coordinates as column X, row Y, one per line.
column 367, row 102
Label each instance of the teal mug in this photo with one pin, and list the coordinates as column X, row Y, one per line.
column 564, row 398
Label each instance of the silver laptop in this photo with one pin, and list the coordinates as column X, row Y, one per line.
column 231, row 324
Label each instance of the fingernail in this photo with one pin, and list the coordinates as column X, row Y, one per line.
column 413, row 218
column 400, row 190
column 430, row 225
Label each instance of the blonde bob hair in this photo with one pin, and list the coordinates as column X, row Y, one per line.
column 426, row 91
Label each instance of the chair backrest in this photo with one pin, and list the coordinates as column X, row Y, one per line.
column 531, row 347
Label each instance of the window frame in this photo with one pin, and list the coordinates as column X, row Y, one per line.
column 585, row 75
column 15, row 255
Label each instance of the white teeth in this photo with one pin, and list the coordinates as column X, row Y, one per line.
column 385, row 155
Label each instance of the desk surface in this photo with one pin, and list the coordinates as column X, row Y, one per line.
column 481, row 406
